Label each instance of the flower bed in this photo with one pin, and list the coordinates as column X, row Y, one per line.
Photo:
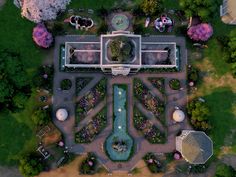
column 94, row 127
column 153, row 163
column 145, row 126
column 81, row 82
column 89, row 165
column 150, row 102
column 174, row 84
column 90, row 100
column 158, row 83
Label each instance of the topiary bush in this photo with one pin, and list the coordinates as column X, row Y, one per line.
column 201, row 32
column 41, row 36
column 174, row 84
column 66, row 84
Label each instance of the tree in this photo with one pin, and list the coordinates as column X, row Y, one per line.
column 30, row 165
column 41, row 117
column 151, row 7
column 41, row 36
column 199, row 113
column 233, row 68
column 201, row 32
column 19, row 100
column 38, row 11
column 204, row 9
column 223, row 170
column 14, row 79
column 232, row 46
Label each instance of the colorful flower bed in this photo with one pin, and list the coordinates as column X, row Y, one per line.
column 153, row 163
column 89, row 165
column 159, row 83
column 81, row 82
column 90, row 100
column 94, row 127
column 150, row 131
column 150, row 102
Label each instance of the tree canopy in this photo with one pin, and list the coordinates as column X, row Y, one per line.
column 204, row 9
column 199, row 114
column 151, row 7
column 14, row 79
column 30, row 165
column 223, row 170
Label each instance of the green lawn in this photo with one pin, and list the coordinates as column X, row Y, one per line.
column 16, row 34
column 214, row 54
column 222, row 118
column 17, row 134
column 17, row 130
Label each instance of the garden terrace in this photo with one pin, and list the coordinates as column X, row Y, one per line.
column 150, row 102
column 146, row 127
column 90, row 100
column 88, row 133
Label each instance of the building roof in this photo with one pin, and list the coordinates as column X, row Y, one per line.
column 178, row 115
column 228, row 12
column 62, row 114
column 197, row 147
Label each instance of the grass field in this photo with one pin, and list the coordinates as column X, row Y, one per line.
column 17, row 134
column 17, row 131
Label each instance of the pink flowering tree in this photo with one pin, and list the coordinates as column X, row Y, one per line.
column 201, row 32
column 41, row 36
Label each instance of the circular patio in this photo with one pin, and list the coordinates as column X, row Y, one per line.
column 120, row 22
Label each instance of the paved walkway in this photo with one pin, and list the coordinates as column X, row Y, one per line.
column 68, row 100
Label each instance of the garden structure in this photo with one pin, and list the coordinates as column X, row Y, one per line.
column 121, row 118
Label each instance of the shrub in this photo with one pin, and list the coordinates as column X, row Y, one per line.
column 66, row 84
column 43, row 78
column 174, row 84
column 102, row 29
column 154, row 164
column 41, row 36
column 233, row 70
column 30, row 165
column 41, row 117
column 88, row 165
column 201, row 32
column 199, row 113
column 223, row 170
column 193, row 74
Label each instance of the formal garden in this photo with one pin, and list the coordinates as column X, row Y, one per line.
column 151, row 102
column 90, row 100
column 147, row 129
column 26, row 82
